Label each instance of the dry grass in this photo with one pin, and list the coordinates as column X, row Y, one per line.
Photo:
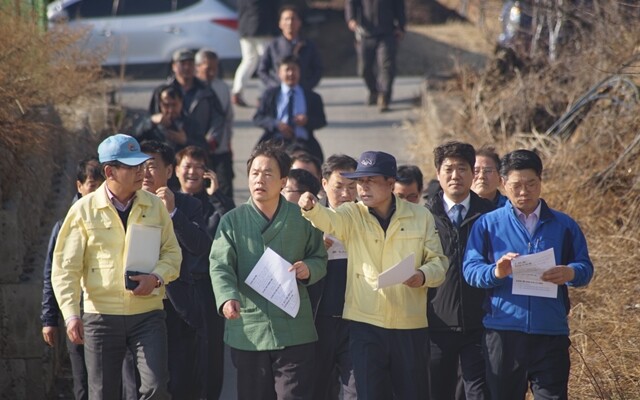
column 37, row 70
column 594, row 176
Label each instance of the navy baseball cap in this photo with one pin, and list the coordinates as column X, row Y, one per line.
column 372, row 163
column 122, row 148
column 183, row 55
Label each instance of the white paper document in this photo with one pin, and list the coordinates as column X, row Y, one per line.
column 273, row 281
column 527, row 271
column 337, row 250
column 143, row 248
column 398, row 273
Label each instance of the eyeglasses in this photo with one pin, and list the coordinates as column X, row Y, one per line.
column 483, row 171
column 120, row 165
column 517, row 187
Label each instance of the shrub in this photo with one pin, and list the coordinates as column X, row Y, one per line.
column 38, row 71
column 592, row 173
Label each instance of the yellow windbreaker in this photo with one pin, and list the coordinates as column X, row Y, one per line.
column 90, row 250
column 371, row 251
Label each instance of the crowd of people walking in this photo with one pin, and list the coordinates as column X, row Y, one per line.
column 147, row 314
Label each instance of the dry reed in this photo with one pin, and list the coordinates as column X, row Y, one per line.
column 594, row 175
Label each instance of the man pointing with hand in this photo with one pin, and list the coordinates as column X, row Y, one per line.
column 388, row 326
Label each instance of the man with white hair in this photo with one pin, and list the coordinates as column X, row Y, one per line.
column 220, row 155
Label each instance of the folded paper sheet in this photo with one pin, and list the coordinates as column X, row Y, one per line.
column 527, row 271
column 398, row 273
column 143, row 249
column 272, row 279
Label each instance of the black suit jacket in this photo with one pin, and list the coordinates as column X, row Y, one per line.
column 213, row 208
column 258, row 18
column 308, row 59
column 205, row 109
column 455, row 305
column 189, row 227
column 266, row 117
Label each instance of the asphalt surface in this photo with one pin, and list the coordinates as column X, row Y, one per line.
column 352, row 129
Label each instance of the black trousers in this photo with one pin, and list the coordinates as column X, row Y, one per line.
column 182, row 353
column 210, row 344
column 285, row 374
column 377, row 63
column 515, row 359
column 388, row 363
column 333, row 368
column 452, row 352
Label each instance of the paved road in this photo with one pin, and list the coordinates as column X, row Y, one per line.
column 352, row 128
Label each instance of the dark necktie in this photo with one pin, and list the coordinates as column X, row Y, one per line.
column 457, row 217
column 290, row 109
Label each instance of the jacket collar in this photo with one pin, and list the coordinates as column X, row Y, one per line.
column 477, row 205
column 466, row 203
column 403, row 208
column 102, row 199
column 545, row 211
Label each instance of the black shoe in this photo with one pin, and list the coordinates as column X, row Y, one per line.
column 371, row 99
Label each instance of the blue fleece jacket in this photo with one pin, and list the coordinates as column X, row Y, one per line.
column 500, row 232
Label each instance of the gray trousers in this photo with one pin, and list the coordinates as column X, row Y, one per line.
column 377, row 63
column 106, row 339
column 79, row 372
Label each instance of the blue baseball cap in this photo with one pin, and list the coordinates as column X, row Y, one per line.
column 372, row 163
column 122, row 148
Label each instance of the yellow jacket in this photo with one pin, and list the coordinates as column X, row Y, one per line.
column 412, row 230
column 90, row 253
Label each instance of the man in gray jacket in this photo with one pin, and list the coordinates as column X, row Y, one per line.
column 220, row 156
column 378, row 26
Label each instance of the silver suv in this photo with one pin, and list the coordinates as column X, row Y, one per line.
column 140, row 32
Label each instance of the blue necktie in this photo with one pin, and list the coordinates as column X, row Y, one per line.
column 290, row 110
column 457, row 217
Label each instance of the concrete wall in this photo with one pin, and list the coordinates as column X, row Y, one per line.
column 40, row 191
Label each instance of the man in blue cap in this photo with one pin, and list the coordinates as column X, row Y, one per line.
column 90, row 257
column 388, row 326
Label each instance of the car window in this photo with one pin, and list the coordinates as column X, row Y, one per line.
column 186, row 3
column 141, row 7
column 90, row 9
